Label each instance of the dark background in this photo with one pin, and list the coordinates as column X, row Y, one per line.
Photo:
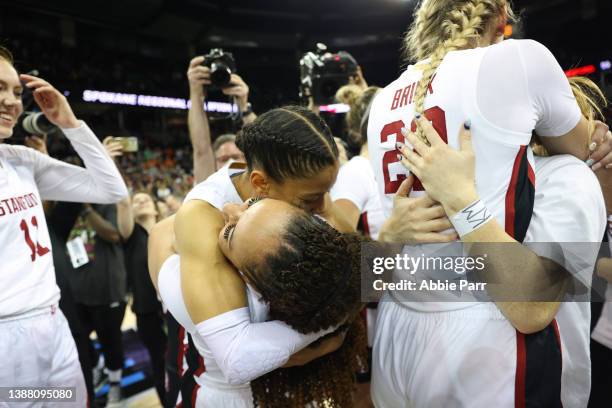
column 144, row 46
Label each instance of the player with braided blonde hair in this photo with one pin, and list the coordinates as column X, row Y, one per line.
column 506, row 91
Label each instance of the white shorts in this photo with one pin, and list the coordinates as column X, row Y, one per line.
column 464, row 358
column 38, row 351
column 214, row 394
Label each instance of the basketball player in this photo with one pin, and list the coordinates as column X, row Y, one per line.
column 487, row 361
column 36, row 346
column 454, row 80
column 300, row 171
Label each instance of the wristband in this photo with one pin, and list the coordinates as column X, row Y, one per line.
column 470, row 218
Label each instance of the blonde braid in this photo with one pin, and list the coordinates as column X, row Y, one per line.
column 444, row 26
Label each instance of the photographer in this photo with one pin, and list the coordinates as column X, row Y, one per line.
column 199, row 129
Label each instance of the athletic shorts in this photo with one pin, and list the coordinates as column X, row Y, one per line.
column 37, row 350
column 464, row 358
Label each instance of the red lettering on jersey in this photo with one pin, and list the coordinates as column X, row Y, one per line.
column 14, row 204
column 17, row 204
column 396, row 99
column 390, row 156
column 429, row 86
column 405, row 94
column 36, row 249
column 412, row 94
column 40, row 250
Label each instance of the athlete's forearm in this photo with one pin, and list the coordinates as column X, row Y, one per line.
column 604, row 269
column 99, row 182
column 526, row 287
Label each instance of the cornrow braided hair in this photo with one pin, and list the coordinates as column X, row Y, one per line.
column 288, row 142
column 312, row 282
column 442, row 26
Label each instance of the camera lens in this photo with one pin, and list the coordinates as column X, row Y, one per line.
column 37, row 124
column 220, row 74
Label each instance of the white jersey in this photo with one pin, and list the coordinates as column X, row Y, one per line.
column 356, row 183
column 507, row 90
column 230, row 365
column 28, row 177
column 509, row 368
column 602, row 333
column 218, row 190
column 570, row 212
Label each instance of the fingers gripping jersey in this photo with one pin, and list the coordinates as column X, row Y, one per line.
column 504, row 98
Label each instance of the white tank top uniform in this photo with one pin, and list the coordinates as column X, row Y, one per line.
column 507, row 90
column 237, row 346
column 29, row 290
column 356, row 183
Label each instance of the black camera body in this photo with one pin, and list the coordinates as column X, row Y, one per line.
column 323, row 73
column 222, row 65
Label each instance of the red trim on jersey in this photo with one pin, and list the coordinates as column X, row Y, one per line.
column 364, row 223
column 511, row 193
column 558, row 337
column 201, row 367
column 521, row 370
column 530, row 173
column 194, row 395
column 181, row 351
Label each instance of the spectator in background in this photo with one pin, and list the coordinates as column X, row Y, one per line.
column 135, row 218
column 99, row 286
column 162, row 209
column 173, row 202
column 225, row 149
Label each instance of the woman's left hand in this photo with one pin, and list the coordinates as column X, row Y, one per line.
column 52, row 103
column 448, row 175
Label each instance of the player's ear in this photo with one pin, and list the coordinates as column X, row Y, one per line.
column 260, row 183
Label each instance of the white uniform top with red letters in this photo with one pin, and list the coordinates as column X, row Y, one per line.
column 27, row 177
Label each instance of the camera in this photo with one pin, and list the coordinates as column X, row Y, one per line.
column 222, row 65
column 35, row 123
column 323, row 73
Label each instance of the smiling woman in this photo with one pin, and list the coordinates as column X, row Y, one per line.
column 10, row 92
column 46, row 356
